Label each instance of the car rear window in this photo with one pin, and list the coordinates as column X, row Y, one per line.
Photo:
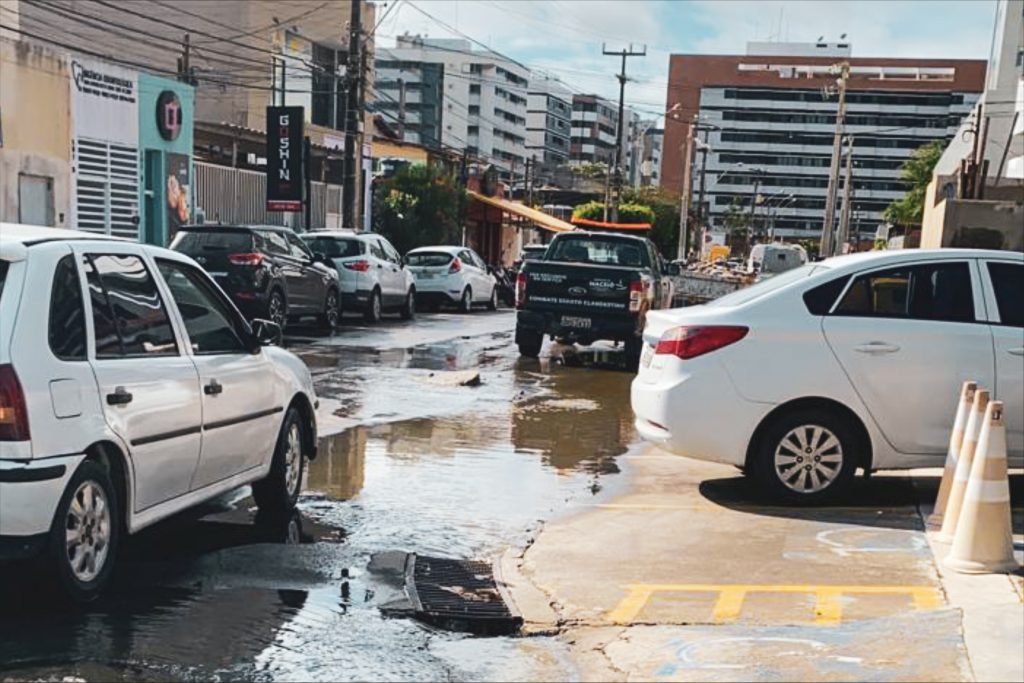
column 205, row 241
column 610, row 252
column 428, row 258
column 336, row 247
column 766, row 286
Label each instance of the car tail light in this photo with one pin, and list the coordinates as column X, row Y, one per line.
column 13, row 411
column 360, row 265
column 456, row 266
column 692, row 341
column 520, row 289
column 254, row 258
column 638, row 291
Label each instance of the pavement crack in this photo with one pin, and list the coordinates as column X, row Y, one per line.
column 603, row 651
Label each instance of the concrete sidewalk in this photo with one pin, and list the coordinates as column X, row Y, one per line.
column 685, row 578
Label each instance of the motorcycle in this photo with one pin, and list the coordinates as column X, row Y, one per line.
column 505, row 281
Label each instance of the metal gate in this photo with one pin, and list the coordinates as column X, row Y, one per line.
column 235, row 195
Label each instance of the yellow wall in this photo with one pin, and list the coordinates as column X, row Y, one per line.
column 386, row 148
column 35, row 106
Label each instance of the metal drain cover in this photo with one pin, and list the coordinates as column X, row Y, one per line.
column 458, row 595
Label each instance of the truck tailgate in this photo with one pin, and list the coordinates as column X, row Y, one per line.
column 578, row 287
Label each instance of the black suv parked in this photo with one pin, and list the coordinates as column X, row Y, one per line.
column 266, row 270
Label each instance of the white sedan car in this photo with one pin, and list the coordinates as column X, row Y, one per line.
column 453, row 275
column 853, row 362
column 131, row 388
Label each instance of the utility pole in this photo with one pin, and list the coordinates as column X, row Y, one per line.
column 616, row 185
column 401, row 109
column 701, row 211
column 826, row 247
column 684, row 198
column 753, row 206
column 185, row 71
column 353, row 117
column 532, row 180
column 844, row 217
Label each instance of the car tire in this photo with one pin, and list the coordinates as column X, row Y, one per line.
column 278, row 492
column 492, row 303
column 331, row 317
column 529, row 343
column 83, row 566
column 408, row 311
column 466, row 301
column 277, row 308
column 373, row 308
column 821, row 443
column 633, row 347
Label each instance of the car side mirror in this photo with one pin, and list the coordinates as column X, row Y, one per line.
column 319, row 257
column 267, row 332
column 672, row 269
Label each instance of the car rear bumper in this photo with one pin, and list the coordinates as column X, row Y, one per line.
column 602, row 326
column 30, row 491
column 694, row 413
column 355, row 299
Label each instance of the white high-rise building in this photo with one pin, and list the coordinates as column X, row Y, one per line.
column 455, row 98
column 548, row 121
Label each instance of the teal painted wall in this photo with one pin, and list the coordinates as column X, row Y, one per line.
column 164, row 203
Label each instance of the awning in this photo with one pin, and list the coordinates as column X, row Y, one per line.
column 541, row 219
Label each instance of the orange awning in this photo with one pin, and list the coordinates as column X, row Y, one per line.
column 541, row 219
column 611, row 226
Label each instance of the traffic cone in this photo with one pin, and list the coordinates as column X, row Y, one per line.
column 963, row 466
column 983, row 543
column 956, row 440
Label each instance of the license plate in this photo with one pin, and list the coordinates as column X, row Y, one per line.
column 218, row 274
column 646, row 356
column 575, row 322
column 428, row 276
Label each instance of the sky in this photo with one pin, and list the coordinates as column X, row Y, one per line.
column 565, row 37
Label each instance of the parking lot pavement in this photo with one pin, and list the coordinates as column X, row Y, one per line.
column 686, row 577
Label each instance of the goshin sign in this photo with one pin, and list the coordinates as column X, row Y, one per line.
column 284, row 158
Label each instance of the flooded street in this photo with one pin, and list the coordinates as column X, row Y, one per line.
column 409, row 462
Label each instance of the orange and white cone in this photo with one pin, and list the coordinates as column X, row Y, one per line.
column 984, row 536
column 956, row 441
column 963, row 466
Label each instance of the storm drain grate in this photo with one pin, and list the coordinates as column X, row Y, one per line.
column 459, row 595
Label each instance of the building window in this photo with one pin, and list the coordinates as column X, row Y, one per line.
column 474, row 88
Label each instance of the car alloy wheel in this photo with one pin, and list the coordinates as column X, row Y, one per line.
column 275, row 309
column 293, row 460
column 87, row 531
column 331, row 313
column 808, row 458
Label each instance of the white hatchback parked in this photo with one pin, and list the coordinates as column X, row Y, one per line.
column 131, row 388
column 454, row 275
column 853, row 362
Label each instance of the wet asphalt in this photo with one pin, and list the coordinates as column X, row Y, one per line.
column 406, row 463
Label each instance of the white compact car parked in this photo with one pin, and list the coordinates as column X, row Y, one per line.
column 131, row 388
column 373, row 276
column 855, row 361
column 453, row 275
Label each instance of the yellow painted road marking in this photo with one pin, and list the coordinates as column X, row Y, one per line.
column 828, row 608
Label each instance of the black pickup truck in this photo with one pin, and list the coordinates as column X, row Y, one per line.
column 590, row 286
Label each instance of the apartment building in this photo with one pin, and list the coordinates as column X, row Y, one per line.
column 548, row 121
column 456, row 98
column 773, row 121
column 651, row 142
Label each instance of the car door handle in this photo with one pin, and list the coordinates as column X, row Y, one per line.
column 1017, row 352
column 213, row 388
column 876, row 348
column 120, row 397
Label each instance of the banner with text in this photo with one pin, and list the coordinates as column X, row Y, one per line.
column 284, row 158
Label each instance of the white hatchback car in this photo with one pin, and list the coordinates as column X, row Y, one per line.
column 131, row 388
column 856, row 361
column 454, row 275
column 373, row 276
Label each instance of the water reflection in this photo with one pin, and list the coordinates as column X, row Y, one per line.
column 339, row 471
column 583, row 422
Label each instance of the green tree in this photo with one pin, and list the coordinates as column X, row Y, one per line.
column 736, row 218
column 419, row 206
column 917, row 173
column 665, row 226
